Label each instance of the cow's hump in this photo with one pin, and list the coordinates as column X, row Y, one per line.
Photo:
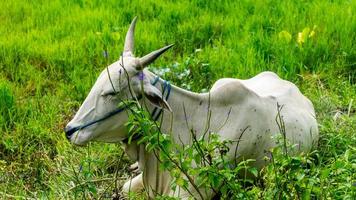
column 264, row 85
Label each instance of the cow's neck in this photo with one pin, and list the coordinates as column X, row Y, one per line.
column 188, row 111
column 189, row 114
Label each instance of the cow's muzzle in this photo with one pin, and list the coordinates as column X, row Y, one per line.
column 69, row 131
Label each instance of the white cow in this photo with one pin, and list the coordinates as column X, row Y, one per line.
column 249, row 103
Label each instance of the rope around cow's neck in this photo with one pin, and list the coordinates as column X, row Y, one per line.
column 166, row 87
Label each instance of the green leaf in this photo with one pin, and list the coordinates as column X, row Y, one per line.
column 253, row 171
column 180, row 181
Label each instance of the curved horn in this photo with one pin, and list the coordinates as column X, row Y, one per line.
column 129, row 40
column 149, row 58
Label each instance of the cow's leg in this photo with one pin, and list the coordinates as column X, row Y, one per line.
column 133, row 185
column 134, row 168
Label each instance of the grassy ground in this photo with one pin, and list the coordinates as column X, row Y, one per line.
column 51, row 53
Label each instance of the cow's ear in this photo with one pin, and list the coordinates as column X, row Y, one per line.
column 155, row 97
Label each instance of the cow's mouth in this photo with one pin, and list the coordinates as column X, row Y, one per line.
column 70, row 131
column 76, row 139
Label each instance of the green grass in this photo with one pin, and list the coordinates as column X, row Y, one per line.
column 51, row 53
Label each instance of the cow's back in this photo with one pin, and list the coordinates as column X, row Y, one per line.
column 254, row 102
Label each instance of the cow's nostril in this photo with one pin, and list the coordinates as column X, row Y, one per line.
column 69, row 131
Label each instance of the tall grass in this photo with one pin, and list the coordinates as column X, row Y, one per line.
column 51, row 53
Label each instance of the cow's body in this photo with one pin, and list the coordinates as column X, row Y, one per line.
column 247, row 107
column 241, row 110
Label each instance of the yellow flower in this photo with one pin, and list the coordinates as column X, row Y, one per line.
column 285, row 35
column 302, row 36
column 312, row 33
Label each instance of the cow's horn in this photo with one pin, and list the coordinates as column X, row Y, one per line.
column 149, row 58
column 129, row 40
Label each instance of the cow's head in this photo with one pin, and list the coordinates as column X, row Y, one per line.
column 120, row 81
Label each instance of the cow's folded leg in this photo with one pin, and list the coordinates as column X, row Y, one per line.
column 134, row 168
column 133, row 185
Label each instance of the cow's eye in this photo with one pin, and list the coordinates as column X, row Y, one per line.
column 112, row 93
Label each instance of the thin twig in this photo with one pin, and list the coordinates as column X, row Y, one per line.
column 15, row 196
column 225, row 122
column 117, row 172
column 190, row 179
column 208, row 118
column 281, row 126
column 89, row 181
column 193, row 136
column 77, row 179
column 107, row 70
column 238, row 143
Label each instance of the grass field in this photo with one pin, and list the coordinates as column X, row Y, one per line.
column 52, row 51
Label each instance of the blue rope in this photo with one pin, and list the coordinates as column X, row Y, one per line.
column 169, row 90
column 155, row 80
column 114, row 112
column 166, row 87
column 156, row 108
column 167, row 96
column 120, row 109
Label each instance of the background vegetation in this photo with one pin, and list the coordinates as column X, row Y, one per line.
column 51, row 53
